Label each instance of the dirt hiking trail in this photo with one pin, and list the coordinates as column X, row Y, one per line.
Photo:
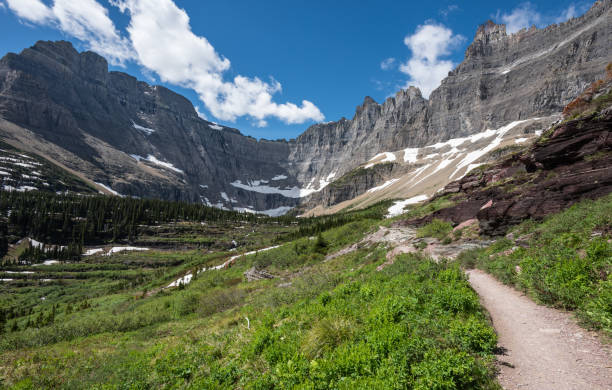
column 542, row 348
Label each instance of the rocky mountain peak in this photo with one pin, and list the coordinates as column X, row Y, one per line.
column 369, row 108
column 490, row 32
column 62, row 56
column 148, row 141
column 367, row 101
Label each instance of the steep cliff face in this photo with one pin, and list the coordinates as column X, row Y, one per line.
column 338, row 147
column 139, row 139
column 533, row 72
column 148, row 141
column 503, row 78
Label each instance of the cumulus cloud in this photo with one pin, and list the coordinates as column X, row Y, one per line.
column 159, row 37
column 164, row 43
column 429, row 45
column 387, row 63
column 85, row 20
column 526, row 15
column 30, row 10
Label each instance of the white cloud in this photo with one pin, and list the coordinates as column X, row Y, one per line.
column 161, row 40
column 448, row 10
column 428, row 44
column 85, row 20
column 89, row 22
column 31, row 10
column 164, row 43
column 200, row 113
column 526, row 15
column 572, row 11
column 387, row 63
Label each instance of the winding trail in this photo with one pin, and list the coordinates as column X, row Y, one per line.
column 543, row 348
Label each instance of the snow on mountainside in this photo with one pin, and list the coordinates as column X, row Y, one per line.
column 423, row 171
column 147, row 141
column 23, row 172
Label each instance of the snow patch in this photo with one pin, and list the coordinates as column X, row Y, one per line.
column 145, row 130
column 183, row 280
column 293, row 192
column 19, row 189
column 279, row 177
column 398, row 207
column 117, row 249
column 46, row 262
column 382, row 186
column 91, row 252
column 152, row 159
column 277, row 212
column 186, row 279
column 215, row 126
column 108, row 189
column 410, row 155
column 24, row 165
column 388, row 157
column 473, row 156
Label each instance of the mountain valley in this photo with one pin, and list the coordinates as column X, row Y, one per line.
column 463, row 241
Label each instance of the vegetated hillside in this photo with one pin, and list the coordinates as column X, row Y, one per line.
column 311, row 319
column 321, row 311
column 73, row 221
column 335, row 301
column 146, row 141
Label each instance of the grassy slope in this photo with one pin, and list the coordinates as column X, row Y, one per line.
column 319, row 324
column 338, row 324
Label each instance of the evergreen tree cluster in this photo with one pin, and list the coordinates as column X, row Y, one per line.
column 75, row 220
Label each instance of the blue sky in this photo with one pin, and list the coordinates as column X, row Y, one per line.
column 230, row 58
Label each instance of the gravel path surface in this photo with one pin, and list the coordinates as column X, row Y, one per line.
column 543, row 348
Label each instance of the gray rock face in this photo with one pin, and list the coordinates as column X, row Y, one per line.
column 337, row 147
column 148, row 141
column 165, row 150
column 503, row 78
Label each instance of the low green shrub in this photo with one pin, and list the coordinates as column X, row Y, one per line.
column 567, row 264
column 436, row 228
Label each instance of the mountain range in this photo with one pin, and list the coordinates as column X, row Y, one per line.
column 123, row 136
